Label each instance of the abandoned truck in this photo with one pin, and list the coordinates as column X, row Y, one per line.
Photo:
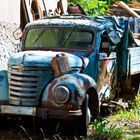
column 69, row 66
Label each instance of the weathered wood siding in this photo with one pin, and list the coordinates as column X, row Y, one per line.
column 134, row 60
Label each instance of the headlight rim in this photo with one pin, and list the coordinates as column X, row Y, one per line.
column 56, row 99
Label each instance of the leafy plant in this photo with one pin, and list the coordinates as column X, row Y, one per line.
column 93, row 8
column 133, row 113
column 124, row 124
column 103, row 130
column 137, row 101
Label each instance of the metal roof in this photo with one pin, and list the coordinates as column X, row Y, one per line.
column 97, row 23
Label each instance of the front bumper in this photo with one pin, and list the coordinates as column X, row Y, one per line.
column 40, row 112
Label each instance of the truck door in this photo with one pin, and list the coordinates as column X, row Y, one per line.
column 107, row 70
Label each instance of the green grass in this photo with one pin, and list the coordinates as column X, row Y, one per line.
column 132, row 114
column 103, row 130
column 125, row 124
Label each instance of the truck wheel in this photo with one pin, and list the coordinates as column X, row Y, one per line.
column 136, row 84
column 94, row 106
column 138, row 90
column 85, row 119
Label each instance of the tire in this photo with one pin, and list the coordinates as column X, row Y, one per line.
column 94, row 104
column 138, row 92
column 136, row 84
column 138, row 89
column 85, row 119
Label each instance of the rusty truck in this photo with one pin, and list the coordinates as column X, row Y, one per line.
column 69, row 67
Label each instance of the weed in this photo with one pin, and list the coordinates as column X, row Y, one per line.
column 133, row 113
column 102, row 129
column 117, row 125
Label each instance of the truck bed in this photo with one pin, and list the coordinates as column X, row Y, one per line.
column 134, row 60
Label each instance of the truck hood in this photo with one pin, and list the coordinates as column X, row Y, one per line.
column 43, row 59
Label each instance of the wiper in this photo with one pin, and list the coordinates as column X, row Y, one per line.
column 39, row 35
column 68, row 36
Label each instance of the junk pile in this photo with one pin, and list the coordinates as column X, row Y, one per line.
column 131, row 11
column 128, row 10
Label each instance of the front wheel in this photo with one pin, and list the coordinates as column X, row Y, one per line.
column 136, row 84
column 86, row 116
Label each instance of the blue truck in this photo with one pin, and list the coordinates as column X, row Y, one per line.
column 69, row 67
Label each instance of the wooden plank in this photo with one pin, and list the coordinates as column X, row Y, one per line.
column 135, row 9
column 136, row 3
column 127, row 8
column 134, row 60
column 136, row 35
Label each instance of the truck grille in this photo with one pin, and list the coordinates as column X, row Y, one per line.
column 25, row 84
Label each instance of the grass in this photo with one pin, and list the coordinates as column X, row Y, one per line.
column 103, row 130
column 132, row 114
column 124, row 124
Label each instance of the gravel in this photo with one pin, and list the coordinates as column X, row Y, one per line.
column 8, row 44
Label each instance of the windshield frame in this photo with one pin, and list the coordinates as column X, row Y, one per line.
column 92, row 31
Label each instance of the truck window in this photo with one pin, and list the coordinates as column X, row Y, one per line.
column 80, row 40
column 105, row 44
column 56, row 37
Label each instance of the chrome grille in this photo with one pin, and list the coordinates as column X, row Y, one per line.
column 25, row 84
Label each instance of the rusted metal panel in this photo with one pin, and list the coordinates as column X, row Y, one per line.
column 66, row 115
column 106, row 78
column 18, row 110
column 134, row 60
column 77, row 84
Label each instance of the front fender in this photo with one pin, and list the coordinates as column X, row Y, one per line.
column 77, row 84
column 3, row 87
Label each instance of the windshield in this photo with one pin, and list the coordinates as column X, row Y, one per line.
column 64, row 37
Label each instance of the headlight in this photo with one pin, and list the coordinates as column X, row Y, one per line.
column 61, row 94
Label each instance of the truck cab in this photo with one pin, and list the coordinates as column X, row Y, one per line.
column 67, row 69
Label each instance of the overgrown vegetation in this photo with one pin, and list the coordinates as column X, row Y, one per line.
column 101, row 129
column 124, row 124
column 132, row 114
column 93, row 8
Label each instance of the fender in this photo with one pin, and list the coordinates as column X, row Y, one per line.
column 3, row 87
column 77, row 83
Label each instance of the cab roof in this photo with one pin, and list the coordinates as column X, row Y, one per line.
column 97, row 23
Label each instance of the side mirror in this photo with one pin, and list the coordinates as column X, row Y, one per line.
column 114, row 37
column 17, row 34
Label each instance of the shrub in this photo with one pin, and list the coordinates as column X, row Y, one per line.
column 93, row 8
column 103, row 130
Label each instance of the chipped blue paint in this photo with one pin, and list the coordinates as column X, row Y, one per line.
column 96, row 69
column 3, row 86
column 41, row 58
column 69, row 22
column 77, row 84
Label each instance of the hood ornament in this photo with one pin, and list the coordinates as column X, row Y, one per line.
column 21, row 68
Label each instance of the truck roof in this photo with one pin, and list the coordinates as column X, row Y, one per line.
column 97, row 23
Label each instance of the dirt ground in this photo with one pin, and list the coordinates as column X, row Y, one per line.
column 32, row 129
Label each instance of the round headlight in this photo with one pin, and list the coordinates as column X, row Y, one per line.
column 61, row 94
